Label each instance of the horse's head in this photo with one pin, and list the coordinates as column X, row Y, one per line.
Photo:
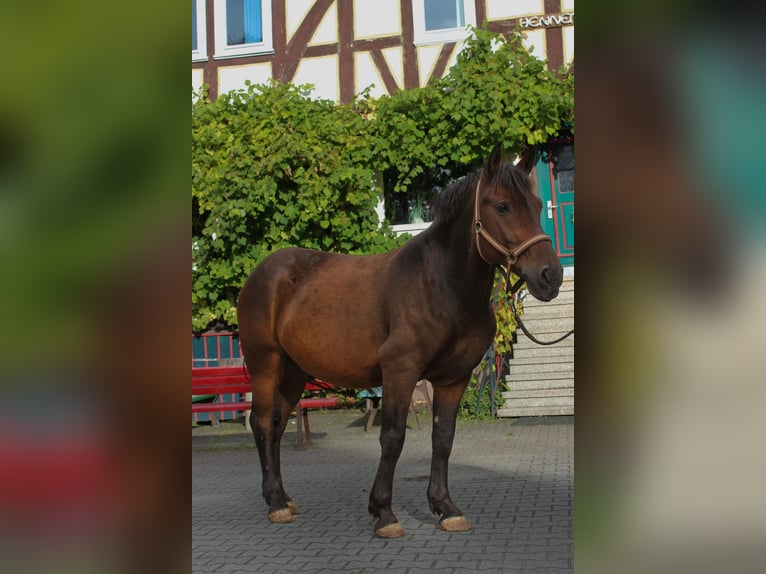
column 507, row 224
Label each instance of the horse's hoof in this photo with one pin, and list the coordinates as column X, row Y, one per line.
column 455, row 524
column 293, row 508
column 281, row 516
column 394, row 530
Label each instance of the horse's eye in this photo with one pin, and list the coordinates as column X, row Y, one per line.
column 502, row 208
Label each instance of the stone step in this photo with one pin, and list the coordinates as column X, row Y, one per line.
column 515, row 370
column 524, row 384
column 549, row 312
column 564, row 364
column 535, row 411
column 540, row 402
column 532, row 393
column 558, row 352
column 566, row 383
column 528, row 384
column 542, row 376
column 523, row 343
column 527, row 345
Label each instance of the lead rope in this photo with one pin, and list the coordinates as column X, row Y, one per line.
column 510, row 296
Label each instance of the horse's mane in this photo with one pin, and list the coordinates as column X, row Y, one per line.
column 450, row 203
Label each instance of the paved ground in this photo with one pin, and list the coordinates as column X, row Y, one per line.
column 513, row 480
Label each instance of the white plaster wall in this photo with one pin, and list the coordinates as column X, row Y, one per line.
column 498, row 9
column 323, row 73
column 377, row 18
column 366, row 74
column 568, row 43
column 198, row 76
column 452, row 60
column 394, row 58
column 567, row 5
column 327, row 31
column 535, row 39
column 295, row 12
column 233, row 77
column 427, row 56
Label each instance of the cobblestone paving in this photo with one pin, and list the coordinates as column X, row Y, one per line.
column 513, row 481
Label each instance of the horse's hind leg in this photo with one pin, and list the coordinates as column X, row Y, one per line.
column 288, row 394
column 265, row 375
column 445, row 407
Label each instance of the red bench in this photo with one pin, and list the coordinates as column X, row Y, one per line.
column 218, row 381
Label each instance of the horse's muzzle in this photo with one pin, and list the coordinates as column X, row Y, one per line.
column 546, row 282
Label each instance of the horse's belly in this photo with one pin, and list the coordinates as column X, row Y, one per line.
column 341, row 362
column 335, row 340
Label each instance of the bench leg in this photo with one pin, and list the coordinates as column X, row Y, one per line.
column 248, row 398
column 429, row 394
column 372, row 407
column 414, row 415
column 299, row 424
column 306, row 425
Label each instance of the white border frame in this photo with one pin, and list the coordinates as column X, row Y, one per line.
column 222, row 50
column 423, row 37
column 200, row 54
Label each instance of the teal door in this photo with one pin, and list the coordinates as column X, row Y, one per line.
column 555, row 184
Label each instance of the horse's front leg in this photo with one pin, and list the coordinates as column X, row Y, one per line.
column 396, row 400
column 445, row 404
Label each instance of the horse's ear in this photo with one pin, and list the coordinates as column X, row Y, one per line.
column 528, row 159
column 494, row 161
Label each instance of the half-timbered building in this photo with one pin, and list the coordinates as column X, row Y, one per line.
column 342, row 47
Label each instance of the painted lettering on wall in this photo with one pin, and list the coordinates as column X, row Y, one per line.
column 547, row 21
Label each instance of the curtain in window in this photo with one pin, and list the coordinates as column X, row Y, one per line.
column 243, row 22
column 253, row 25
column 194, row 24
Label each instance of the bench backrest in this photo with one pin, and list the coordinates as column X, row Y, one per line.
column 235, row 379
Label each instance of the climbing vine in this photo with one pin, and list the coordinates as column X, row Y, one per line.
column 273, row 167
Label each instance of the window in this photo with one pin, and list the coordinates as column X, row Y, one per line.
column 440, row 14
column 242, row 27
column 411, row 211
column 199, row 44
column 564, row 168
column 243, row 22
column 441, row 21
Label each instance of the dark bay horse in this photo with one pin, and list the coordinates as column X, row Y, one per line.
column 419, row 312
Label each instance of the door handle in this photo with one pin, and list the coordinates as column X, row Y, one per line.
column 551, row 207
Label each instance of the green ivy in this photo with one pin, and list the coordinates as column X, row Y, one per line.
column 480, row 397
column 496, row 92
column 272, row 167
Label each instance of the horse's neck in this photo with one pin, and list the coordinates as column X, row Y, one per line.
column 459, row 261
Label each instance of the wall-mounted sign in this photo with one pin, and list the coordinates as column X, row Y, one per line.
column 547, row 21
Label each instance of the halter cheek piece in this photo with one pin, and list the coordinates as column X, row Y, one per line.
column 511, row 255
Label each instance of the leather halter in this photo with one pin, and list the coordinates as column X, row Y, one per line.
column 511, row 255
